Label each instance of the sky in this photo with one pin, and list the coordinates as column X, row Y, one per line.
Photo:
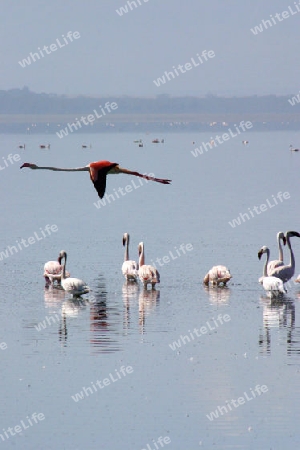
column 118, row 54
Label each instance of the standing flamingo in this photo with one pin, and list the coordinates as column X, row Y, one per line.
column 98, row 171
column 147, row 274
column 74, row 286
column 217, row 275
column 286, row 272
column 129, row 268
column 272, row 265
column 53, row 269
column 273, row 285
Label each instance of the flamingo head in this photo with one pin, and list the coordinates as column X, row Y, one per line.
column 125, row 238
column 263, row 250
column 30, row 165
column 281, row 236
column 62, row 254
column 292, row 234
column 141, row 248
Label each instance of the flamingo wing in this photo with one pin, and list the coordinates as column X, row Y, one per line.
column 98, row 173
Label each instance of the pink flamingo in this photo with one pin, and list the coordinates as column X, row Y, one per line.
column 98, row 172
column 147, row 274
column 53, row 269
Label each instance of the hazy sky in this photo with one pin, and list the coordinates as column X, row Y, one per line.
column 118, row 55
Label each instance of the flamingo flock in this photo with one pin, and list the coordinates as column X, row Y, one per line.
column 276, row 273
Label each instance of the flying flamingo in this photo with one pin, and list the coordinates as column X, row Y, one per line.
column 53, row 269
column 286, row 272
column 129, row 268
column 273, row 285
column 147, row 274
column 74, row 286
column 98, row 171
column 272, row 265
column 217, row 275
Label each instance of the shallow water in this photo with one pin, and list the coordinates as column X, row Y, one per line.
column 166, row 393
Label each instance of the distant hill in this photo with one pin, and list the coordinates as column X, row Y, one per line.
column 23, row 101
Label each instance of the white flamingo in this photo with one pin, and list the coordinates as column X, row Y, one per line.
column 147, row 274
column 217, row 275
column 74, row 286
column 272, row 265
column 129, row 268
column 53, row 269
column 286, row 272
column 273, row 285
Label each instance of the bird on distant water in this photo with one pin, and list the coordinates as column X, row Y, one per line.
column 98, row 171
column 293, row 149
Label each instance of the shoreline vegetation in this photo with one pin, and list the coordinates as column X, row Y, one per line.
column 24, row 111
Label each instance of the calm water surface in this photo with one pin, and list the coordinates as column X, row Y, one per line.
column 120, row 332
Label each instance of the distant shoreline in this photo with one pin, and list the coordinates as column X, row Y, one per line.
column 51, row 123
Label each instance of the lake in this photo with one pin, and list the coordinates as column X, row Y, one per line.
column 123, row 367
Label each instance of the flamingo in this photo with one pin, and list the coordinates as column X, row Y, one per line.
column 21, row 146
column 74, row 286
column 147, row 274
column 286, row 272
column 272, row 265
column 273, row 285
column 293, row 149
column 129, row 268
column 245, row 142
column 53, row 269
column 217, row 275
column 98, row 171
column 45, row 146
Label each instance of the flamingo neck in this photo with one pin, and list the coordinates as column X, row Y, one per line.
column 280, row 249
column 292, row 257
column 126, row 256
column 265, row 272
column 58, row 169
column 142, row 258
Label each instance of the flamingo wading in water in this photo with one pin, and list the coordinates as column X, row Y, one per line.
column 53, row 269
column 273, row 285
column 129, row 268
column 217, row 275
column 98, row 172
column 74, row 286
column 286, row 272
column 147, row 274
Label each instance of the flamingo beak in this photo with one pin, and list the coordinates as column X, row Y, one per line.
column 284, row 240
column 260, row 254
